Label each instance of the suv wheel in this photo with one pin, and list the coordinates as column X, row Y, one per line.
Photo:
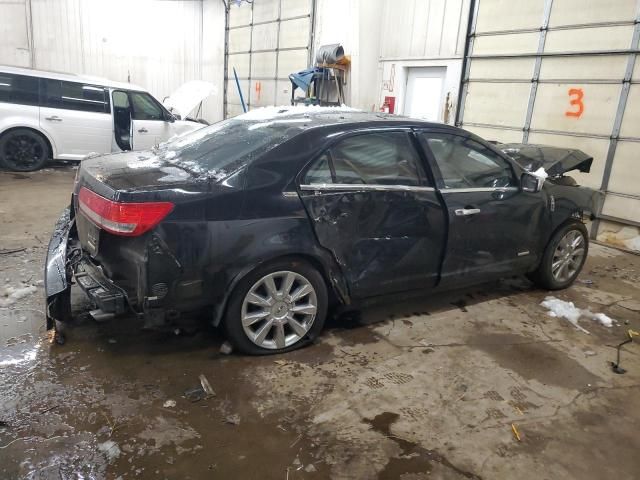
column 23, row 150
column 277, row 308
column 563, row 258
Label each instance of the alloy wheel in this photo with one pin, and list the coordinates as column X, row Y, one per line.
column 22, row 152
column 568, row 256
column 279, row 310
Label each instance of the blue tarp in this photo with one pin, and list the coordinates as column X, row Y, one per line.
column 303, row 78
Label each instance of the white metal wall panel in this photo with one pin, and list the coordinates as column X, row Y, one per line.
column 14, row 46
column 294, row 33
column 503, row 68
column 423, row 28
column 605, row 67
column 625, row 173
column 295, row 8
column 621, row 207
column 514, row 43
column 631, row 119
column 500, row 15
column 583, row 90
column 496, row 103
column 240, row 40
column 576, row 12
column 268, row 40
column 592, row 39
column 600, row 103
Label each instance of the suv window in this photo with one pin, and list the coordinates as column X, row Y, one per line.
column 380, row 158
column 20, row 89
column 74, row 96
column 145, row 107
column 465, row 163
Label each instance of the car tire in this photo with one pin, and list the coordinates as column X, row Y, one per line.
column 260, row 321
column 563, row 257
column 23, row 150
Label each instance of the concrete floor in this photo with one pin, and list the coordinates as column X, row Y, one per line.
column 422, row 389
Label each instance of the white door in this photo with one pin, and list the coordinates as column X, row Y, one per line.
column 77, row 117
column 149, row 121
column 424, row 98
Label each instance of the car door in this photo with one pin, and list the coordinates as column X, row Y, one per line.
column 494, row 227
column 374, row 208
column 77, row 116
column 149, row 121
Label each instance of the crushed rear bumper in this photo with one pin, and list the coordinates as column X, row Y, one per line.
column 66, row 261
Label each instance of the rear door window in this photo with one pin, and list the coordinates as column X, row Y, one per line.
column 377, row 158
column 465, row 163
column 20, row 89
column 74, row 96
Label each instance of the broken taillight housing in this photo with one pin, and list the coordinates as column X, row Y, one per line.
column 122, row 218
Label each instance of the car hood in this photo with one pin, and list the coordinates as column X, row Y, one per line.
column 188, row 96
column 556, row 161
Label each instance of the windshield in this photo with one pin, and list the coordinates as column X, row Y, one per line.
column 222, row 148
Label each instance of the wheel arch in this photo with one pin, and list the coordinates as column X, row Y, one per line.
column 42, row 133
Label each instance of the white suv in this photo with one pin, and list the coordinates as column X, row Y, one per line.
column 47, row 115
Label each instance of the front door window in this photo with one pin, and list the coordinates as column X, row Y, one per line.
column 465, row 163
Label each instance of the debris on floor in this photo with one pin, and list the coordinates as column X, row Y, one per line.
column 233, row 419
column 226, row 348
column 515, row 431
column 201, row 392
column 169, row 404
column 563, row 309
column 110, row 449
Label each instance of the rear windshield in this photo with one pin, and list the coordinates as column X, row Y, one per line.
column 222, row 148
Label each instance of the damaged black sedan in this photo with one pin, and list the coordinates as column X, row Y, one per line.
column 265, row 220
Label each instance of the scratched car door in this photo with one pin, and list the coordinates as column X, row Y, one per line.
column 372, row 206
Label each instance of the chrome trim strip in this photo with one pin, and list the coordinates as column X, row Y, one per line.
column 470, row 190
column 361, row 188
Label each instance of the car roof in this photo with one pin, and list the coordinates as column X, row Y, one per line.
column 70, row 77
column 312, row 117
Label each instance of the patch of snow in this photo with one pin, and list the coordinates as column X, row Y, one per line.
column 540, row 173
column 562, row 309
column 271, row 113
column 13, row 294
column 169, row 404
column 110, row 449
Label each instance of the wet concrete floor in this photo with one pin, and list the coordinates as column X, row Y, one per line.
column 428, row 388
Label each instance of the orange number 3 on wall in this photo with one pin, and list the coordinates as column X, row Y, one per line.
column 576, row 95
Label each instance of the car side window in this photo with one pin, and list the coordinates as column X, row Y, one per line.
column 465, row 163
column 20, row 89
column 320, row 172
column 144, row 107
column 380, row 158
column 74, row 96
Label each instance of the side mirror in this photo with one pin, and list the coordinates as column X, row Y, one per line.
column 531, row 183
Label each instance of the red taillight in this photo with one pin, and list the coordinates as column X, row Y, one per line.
column 130, row 219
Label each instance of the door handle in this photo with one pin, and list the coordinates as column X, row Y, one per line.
column 143, row 130
column 461, row 212
column 53, row 118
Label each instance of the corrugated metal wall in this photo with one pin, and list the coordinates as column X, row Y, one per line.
column 564, row 72
column 154, row 43
column 268, row 40
column 422, row 33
